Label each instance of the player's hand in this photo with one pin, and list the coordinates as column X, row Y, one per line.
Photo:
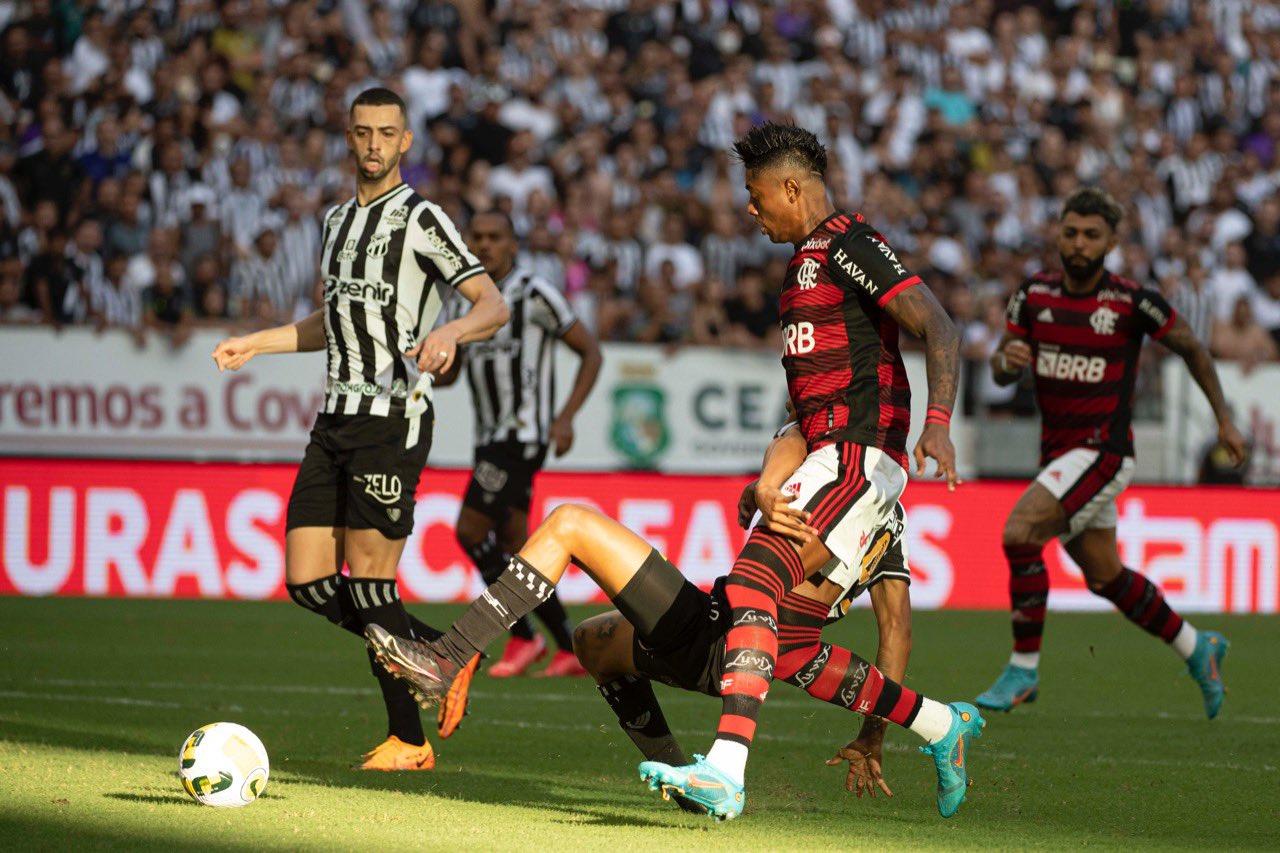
column 234, row 353
column 561, row 434
column 865, row 766
column 935, row 443
column 747, row 504
column 436, row 352
column 777, row 514
column 1232, row 441
column 1017, row 355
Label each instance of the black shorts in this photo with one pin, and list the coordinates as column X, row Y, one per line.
column 361, row 472
column 690, row 652
column 502, row 479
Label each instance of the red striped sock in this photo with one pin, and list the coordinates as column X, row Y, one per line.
column 1028, row 594
column 1143, row 604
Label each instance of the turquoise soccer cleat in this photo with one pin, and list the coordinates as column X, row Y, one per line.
column 698, row 783
column 1016, row 685
column 949, row 756
column 1205, row 666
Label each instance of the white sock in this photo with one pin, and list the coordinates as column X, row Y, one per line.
column 1026, row 660
column 1184, row 642
column 730, row 758
column 933, row 722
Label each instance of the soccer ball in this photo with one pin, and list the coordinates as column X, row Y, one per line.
column 224, row 765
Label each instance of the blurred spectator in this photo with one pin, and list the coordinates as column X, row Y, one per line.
column 673, row 249
column 1231, row 282
column 260, row 286
column 752, row 314
column 1240, row 338
column 979, row 341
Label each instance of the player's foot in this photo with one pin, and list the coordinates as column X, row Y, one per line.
column 453, row 707
column 519, row 655
column 395, row 754
column 564, row 664
column 1205, row 666
column 427, row 675
column 949, row 756
column 698, row 783
column 1016, row 685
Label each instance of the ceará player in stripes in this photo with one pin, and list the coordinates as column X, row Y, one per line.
column 389, row 258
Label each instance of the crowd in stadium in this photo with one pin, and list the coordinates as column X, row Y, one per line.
column 165, row 164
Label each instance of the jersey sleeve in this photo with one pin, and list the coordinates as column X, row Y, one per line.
column 861, row 261
column 549, row 309
column 1015, row 313
column 1155, row 315
column 437, row 242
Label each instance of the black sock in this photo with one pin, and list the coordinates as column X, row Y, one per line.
column 553, row 615
column 632, row 700
column 376, row 601
column 327, row 597
column 491, row 562
column 516, row 592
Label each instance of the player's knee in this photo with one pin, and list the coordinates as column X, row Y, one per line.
column 469, row 535
column 566, row 520
column 587, row 642
column 1020, row 532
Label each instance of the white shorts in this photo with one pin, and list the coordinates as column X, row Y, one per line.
column 850, row 491
column 1087, row 482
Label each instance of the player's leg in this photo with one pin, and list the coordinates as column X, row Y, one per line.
column 624, row 566
column 512, row 536
column 1036, row 518
column 1143, row 603
column 604, row 645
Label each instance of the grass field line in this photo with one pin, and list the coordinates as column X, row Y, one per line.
column 547, row 696
column 537, row 724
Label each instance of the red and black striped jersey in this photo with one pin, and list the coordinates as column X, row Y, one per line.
column 1084, row 350
column 840, row 347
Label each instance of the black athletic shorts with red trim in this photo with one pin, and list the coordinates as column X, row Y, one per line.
column 361, row 472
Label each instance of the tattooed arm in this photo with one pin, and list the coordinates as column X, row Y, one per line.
column 1180, row 339
column 918, row 311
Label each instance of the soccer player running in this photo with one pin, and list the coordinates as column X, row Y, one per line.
column 388, row 257
column 512, row 381
column 1082, row 328
column 844, row 299
column 689, row 651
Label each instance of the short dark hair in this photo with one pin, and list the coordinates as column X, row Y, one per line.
column 378, row 96
column 770, row 143
column 501, row 214
column 1094, row 201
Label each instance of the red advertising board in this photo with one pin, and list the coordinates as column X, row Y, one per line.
column 183, row 529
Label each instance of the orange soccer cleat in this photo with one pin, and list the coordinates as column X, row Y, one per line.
column 518, row 656
column 394, row 754
column 453, row 707
column 563, row 665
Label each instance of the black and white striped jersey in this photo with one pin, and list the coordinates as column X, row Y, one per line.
column 512, row 375
column 388, row 266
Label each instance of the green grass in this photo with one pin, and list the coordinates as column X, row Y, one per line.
column 96, row 697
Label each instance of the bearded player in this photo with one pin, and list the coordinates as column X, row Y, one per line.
column 1082, row 328
column 388, row 257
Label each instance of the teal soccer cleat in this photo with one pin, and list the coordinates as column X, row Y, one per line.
column 949, row 756
column 699, row 783
column 1016, row 685
column 1205, row 666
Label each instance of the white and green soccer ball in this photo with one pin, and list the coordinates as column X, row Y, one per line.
column 223, row 765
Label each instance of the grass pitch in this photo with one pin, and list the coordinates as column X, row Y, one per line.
column 96, row 697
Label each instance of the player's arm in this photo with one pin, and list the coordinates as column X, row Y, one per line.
column 1010, row 359
column 891, row 601
column 781, row 459
column 1179, row 338
column 579, row 339
column 306, row 335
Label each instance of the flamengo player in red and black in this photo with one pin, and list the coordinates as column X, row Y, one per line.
column 1081, row 329
column 845, row 297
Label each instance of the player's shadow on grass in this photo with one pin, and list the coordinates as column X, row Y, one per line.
column 153, row 799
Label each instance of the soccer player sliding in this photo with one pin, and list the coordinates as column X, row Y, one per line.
column 1083, row 328
column 845, row 297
